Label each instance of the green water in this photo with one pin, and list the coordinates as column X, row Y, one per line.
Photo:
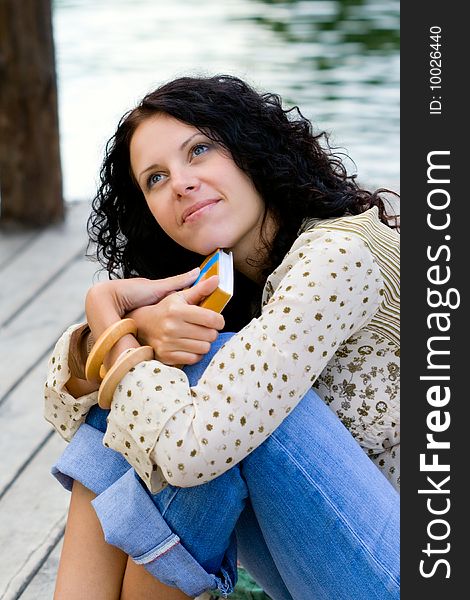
column 338, row 60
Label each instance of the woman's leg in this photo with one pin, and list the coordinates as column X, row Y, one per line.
column 256, row 557
column 310, row 477
column 89, row 568
column 329, row 518
column 138, row 584
column 87, row 468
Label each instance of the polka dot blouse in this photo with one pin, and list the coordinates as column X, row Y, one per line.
column 329, row 319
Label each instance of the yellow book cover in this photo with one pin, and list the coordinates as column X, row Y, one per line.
column 218, row 263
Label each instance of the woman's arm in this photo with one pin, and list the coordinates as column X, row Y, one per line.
column 64, row 411
column 327, row 287
column 69, row 397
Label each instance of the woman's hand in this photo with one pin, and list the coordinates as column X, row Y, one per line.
column 109, row 301
column 179, row 331
column 125, row 295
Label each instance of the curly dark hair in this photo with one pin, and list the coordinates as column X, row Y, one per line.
column 293, row 169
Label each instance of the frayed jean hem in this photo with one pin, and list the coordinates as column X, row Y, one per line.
column 142, row 533
column 130, row 521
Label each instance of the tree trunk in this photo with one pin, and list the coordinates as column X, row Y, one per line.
column 30, row 172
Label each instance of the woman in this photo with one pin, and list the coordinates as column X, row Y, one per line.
column 204, row 163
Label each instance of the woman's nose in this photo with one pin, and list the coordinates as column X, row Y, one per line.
column 184, row 183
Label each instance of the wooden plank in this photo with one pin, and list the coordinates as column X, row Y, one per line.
column 23, row 426
column 32, row 520
column 45, row 256
column 12, row 243
column 43, row 584
column 25, row 340
column 23, row 365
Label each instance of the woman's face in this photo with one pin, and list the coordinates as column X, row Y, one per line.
column 193, row 188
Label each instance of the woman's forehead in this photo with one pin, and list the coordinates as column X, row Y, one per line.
column 162, row 132
column 163, row 124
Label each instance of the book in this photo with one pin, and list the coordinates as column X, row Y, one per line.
column 218, row 263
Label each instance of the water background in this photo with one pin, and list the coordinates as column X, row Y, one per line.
column 337, row 60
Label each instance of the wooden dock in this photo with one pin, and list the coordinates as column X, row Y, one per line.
column 43, row 279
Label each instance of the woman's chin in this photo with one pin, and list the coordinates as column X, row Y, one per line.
column 208, row 250
column 206, row 247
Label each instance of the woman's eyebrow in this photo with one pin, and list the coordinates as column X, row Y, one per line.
column 151, row 168
column 185, row 143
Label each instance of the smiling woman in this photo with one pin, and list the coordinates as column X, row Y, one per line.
column 246, row 445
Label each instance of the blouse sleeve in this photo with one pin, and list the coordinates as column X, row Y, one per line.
column 61, row 409
column 327, row 287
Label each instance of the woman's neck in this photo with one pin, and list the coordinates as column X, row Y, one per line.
column 250, row 253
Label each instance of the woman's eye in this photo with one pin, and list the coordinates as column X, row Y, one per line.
column 200, row 149
column 154, row 179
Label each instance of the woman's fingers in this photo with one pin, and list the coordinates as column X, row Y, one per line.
column 129, row 294
column 168, row 350
column 180, row 315
column 190, row 346
column 197, row 315
column 181, row 358
column 179, row 332
column 163, row 287
column 126, row 295
column 138, row 292
column 191, row 331
column 197, row 293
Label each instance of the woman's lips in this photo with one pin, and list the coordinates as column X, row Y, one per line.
column 194, row 211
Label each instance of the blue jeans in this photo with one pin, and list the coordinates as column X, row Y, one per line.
column 311, row 515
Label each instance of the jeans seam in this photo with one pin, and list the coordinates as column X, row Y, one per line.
column 157, row 552
column 340, row 515
column 169, row 502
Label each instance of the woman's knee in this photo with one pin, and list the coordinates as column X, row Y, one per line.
column 204, row 517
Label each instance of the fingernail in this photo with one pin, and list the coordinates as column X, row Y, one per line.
column 194, row 271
